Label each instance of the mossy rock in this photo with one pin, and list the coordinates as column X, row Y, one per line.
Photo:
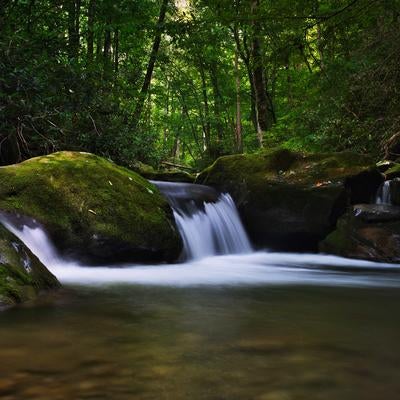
column 393, row 171
column 93, row 209
column 290, row 200
column 22, row 275
column 366, row 231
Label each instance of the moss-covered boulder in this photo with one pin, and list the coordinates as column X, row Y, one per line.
column 93, row 209
column 290, row 200
column 393, row 171
column 367, row 231
column 22, row 275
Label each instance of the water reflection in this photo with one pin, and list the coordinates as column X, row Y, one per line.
column 131, row 342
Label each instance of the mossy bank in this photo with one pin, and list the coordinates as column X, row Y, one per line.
column 93, row 209
column 291, row 200
column 22, row 276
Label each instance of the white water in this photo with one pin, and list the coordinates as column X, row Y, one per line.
column 257, row 268
column 216, row 230
column 383, row 196
column 208, row 222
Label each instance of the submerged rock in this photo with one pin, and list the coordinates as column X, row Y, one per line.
column 164, row 175
column 290, row 200
column 367, row 231
column 22, row 275
column 92, row 209
column 170, row 176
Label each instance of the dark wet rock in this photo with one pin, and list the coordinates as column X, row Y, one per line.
column 94, row 210
column 22, row 275
column 171, row 176
column 394, row 187
column 385, row 165
column 393, row 171
column 187, row 196
column 290, row 200
column 163, row 174
column 367, row 231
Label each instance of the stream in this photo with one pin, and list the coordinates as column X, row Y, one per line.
column 227, row 323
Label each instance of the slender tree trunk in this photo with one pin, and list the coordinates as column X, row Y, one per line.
column 90, row 31
column 206, row 116
column 116, row 49
column 245, row 54
column 167, row 108
column 238, row 124
column 77, row 25
column 107, row 44
column 320, row 46
column 74, row 8
column 150, row 66
column 99, row 44
column 259, row 76
column 218, row 106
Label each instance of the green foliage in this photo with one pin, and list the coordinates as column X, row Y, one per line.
column 71, row 74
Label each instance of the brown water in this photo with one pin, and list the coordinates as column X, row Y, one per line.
column 264, row 343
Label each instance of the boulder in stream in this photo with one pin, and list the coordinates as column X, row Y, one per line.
column 367, row 231
column 290, row 200
column 93, row 210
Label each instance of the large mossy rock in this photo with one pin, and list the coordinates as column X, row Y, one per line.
column 290, row 200
column 22, row 275
column 93, row 209
column 367, row 231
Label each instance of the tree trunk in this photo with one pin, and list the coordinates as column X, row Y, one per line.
column 90, row 31
column 238, row 125
column 73, row 28
column 107, row 44
column 245, row 54
column 150, row 66
column 218, row 106
column 206, row 116
column 116, row 49
column 259, row 77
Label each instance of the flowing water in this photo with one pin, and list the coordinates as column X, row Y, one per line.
column 384, row 196
column 209, row 227
column 248, row 325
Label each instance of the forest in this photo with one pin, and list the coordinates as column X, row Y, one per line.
column 199, row 199
column 187, row 81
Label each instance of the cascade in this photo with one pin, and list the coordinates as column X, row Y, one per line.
column 34, row 237
column 227, row 235
column 208, row 222
column 383, row 195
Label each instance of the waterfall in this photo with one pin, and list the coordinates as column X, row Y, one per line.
column 383, row 196
column 207, row 221
column 34, row 237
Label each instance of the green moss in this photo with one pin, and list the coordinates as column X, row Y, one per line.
column 80, row 196
column 285, row 165
column 393, row 171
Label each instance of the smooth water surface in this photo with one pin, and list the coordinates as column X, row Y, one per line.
column 243, row 326
column 220, row 342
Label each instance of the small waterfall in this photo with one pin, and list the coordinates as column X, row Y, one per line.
column 207, row 221
column 384, row 196
column 34, row 237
